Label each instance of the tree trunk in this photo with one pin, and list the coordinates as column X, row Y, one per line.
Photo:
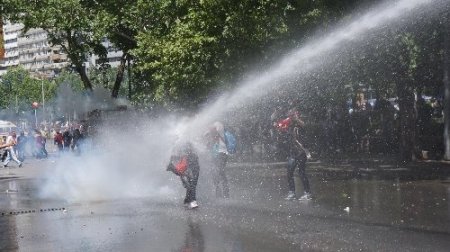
column 129, row 78
column 81, row 70
column 407, row 120
column 119, row 76
column 446, row 80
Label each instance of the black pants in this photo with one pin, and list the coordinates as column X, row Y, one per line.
column 220, row 176
column 190, row 183
column 293, row 163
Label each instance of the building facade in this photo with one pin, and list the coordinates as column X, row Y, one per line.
column 32, row 51
column 37, row 56
column 113, row 57
column 10, row 57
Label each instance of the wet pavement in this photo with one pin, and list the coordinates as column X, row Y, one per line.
column 350, row 211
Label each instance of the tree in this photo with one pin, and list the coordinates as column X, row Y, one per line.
column 79, row 27
column 190, row 47
column 67, row 24
column 119, row 22
column 19, row 90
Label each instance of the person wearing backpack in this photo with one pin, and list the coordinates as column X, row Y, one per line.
column 184, row 163
column 289, row 128
column 216, row 142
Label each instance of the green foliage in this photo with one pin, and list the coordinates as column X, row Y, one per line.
column 70, row 78
column 182, row 51
column 192, row 47
column 19, row 90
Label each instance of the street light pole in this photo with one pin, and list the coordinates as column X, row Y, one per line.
column 43, row 96
column 35, row 119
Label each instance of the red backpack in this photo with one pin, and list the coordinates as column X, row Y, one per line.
column 283, row 124
column 181, row 166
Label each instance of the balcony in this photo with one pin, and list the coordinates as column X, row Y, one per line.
column 57, row 58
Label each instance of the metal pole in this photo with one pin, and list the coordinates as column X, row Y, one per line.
column 43, row 96
column 129, row 79
column 35, row 118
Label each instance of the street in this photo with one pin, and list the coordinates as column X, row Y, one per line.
column 348, row 213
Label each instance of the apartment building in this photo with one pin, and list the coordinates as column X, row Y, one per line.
column 38, row 56
column 10, row 57
column 113, row 57
column 33, row 52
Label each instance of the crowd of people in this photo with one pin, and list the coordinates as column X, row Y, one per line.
column 33, row 144
column 220, row 144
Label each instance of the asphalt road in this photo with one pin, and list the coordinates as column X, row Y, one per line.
column 347, row 213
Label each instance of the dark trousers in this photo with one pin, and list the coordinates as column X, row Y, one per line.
column 190, row 183
column 21, row 153
column 293, row 163
column 220, row 176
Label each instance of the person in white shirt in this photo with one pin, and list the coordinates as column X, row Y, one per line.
column 11, row 154
column 216, row 143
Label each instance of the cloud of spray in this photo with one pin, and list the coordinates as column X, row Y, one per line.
column 126, row 160
column 131, row 153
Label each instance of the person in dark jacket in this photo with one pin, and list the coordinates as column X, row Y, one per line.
column 77, row 141
column 290, row 128
column 59, row 141
column 40, row 141
column 67, row 140
column 184, row 163
column 21, row 145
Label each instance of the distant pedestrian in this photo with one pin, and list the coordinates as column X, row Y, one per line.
column 21, row 146
column 216, row 143
column 184, row 163
column 67, row 140
column 40, row 141
column 290, row 128
column 11, row 141
column 31, row 143
column 77, row 140
column 59, row 141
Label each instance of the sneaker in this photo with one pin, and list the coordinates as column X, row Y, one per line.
column 290, row 196
column 20, row 165
column 306, row 196
column 193, row 205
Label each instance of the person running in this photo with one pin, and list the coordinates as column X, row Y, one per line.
column 11, row 154
column 216, row 143
column 184, row 163
column 297, row 154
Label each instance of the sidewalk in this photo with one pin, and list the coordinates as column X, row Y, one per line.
column 366, row 166
column 355, row 167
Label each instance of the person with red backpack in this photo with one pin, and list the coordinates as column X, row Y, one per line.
column 289, row 128
column 184, row 163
